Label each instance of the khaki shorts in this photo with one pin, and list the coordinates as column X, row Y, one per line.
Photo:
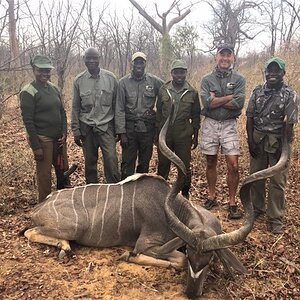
column 219, row 133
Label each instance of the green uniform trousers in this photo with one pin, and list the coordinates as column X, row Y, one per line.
column 107, row 143
column 182, row 148
column 140, row 146
column 276, row 186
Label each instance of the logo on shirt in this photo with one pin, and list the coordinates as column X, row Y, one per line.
column 149, row 88
column 230, row 85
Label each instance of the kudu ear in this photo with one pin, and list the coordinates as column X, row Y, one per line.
column 230, row 261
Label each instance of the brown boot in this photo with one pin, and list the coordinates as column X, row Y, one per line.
column 234, row 212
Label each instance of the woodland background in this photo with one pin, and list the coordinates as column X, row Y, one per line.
column 63, row 30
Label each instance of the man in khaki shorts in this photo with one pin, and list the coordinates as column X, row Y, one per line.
column 222, row 97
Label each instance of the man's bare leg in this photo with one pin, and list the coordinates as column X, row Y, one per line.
column 232, row 177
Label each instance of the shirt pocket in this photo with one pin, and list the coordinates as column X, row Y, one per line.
column 87, row 102
column 185, row 108
column 277, row 111
column 166, row 106
column 149, row 98
column 106, row 97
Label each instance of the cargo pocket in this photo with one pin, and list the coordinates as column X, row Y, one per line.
column 231, row 145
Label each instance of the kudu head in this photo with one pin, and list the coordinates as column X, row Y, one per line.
column 201, row 241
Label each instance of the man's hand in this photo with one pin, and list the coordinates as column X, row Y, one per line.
column 78, row 139
column 253, row 149
column 38, row 154
column 195, row 139
column 123, row 140
column 62, row 140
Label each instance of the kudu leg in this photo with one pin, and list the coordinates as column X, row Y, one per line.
column 152, row 257
column 36, row 235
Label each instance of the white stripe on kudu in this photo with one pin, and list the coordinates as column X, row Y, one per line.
column 83, row 203
column 132, row 206
column 95, row 211
column 53, row 206
column 103, row 214
column 120, row 209
column 75, row 213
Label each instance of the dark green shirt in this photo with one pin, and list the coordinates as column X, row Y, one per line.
column 187, row 105
column 222, row 84
column 135, row 101
column 42, row 112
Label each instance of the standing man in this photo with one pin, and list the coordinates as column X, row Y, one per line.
column 93, row 106
column 45, row 122
column 268, row 107
column 222, row 96
column 135, row 116
column 182, row 135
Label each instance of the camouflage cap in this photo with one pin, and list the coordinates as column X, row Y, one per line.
column 278, row 61
column 225, row 46
column 42, row 62
column 178, row 64
column 139, row 54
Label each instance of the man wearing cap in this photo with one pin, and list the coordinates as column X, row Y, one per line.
column 135, row 116
column 93, row 108
column 45, row 122
column 182, row 134
column 222, row 97
column 269, row 106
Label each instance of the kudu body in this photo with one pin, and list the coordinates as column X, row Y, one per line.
column 143, row 212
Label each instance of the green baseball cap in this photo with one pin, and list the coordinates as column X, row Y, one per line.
column 278, row 61
column 178, row 64
column 42, row 62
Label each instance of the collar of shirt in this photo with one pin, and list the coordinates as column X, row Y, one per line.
column 134, row 78
column 221, row 73
column 93, row 76
column 184, row 87
column 169, row 86
column 268, row 91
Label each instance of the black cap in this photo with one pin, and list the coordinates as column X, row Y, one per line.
column 225, row 46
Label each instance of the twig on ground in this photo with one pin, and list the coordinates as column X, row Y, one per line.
column 290, row 263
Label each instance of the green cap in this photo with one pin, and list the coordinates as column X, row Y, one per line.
column 178, row 64
column 278, row 61
column 42, row 62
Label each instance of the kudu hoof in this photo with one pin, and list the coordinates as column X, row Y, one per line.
column 62, row 254
column 125, row 256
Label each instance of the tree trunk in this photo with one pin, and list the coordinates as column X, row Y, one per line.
column 13, row 41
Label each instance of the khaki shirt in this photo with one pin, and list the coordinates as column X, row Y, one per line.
column 93, row 101
column 135, row 103
column 186, row 109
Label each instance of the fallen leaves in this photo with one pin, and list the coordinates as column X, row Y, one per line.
column 32, row 271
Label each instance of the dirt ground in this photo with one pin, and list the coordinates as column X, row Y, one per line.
column 32, row 271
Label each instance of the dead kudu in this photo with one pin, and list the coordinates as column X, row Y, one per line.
column 144, row 213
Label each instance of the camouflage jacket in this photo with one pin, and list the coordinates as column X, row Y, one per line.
column 268, row 108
